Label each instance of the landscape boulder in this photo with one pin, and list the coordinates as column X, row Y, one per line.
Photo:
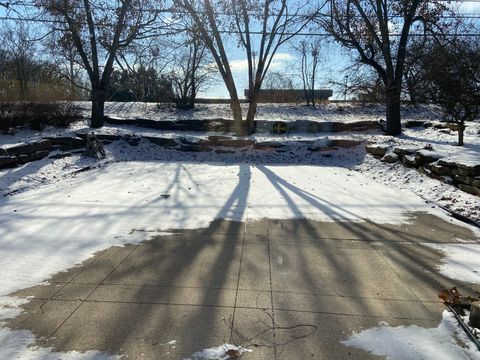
column 409, row 161
column 344, row 143
column 423, row 156
column 165, row 142
column 406, row 150
column 460, row 168
column 414, row 123
column 440, row 169
column 390, row 158
column 377, row 149
column 7, row 161
column 469, row 189
column 37, row 155
column 67, row 142
column 29, row 147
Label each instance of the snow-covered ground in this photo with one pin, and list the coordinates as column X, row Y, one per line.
column 271, row 112
column 51, row 215
column 414, row 342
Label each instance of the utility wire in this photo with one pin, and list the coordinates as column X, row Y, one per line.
column 47, row 21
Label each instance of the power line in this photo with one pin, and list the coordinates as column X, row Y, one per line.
column 232, row 32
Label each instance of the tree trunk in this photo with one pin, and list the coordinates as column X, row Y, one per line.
column 393, row 123
column 461, row 129
column 98, row 107
column 252, row 110
column 240, row 129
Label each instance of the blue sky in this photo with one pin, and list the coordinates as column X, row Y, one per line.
column 335, row 60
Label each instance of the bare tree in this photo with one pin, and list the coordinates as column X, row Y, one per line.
column 277, row 81
column 279, row 21
column 18, row 41
column 309, row 56
column 191, row 70
column 99, row 29
column 453, row 72
column 379, row 30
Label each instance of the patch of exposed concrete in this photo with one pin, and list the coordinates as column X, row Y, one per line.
column 284, row 288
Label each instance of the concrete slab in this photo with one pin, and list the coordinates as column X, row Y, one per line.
column 101, row 267
column 417, row 266
column 324, row 230
column 186, row 263
column 301, row 335
column 46, row 319
column 423, row 227
column 145, row 294
column 287, row 289
column 360, row 306
column 335, row 271
column 147, row 331
column 255, row 273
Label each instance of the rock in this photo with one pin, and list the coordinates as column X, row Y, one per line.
column 321, row 148
column 377, row 149
column 221, row 151
column 7, row 161
column 23, row 159
column 464, row 179
column 193, row 148
column 132, row 140
column 427, row 124
column 60, row 155
column 459, row 168
column 474, row 317
column 476, row 182
column 414, row 123
column 439, row 169
column 166, row 142
column 29, row 148
column 390, row 158
column 469, row 189
column 406, row 150
column 101, row 137
column 266, row 145
column 423, row 157
column 219, row 137
column 409, row 161
column 344, row 143
column 71, row 142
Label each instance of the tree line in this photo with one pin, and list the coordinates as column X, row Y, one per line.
column 396, row 46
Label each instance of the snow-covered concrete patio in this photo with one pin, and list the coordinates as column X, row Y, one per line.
column 288, row 261
column 285, row 289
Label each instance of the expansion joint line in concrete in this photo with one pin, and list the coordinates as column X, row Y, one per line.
column 271, row 292
column 45, row 301
column 232, row 323
column 91, row 292
column 402, row 280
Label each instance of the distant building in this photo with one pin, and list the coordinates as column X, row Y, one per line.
column 290, row 96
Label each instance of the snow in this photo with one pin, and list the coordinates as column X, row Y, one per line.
column 222, row 352
column 461, row 262
column 74, row 217
column 414, row 342
column 53, row 217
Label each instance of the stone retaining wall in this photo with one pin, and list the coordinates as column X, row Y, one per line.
column 431, row 163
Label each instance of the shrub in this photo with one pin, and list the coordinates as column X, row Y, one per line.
column 36, row 115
